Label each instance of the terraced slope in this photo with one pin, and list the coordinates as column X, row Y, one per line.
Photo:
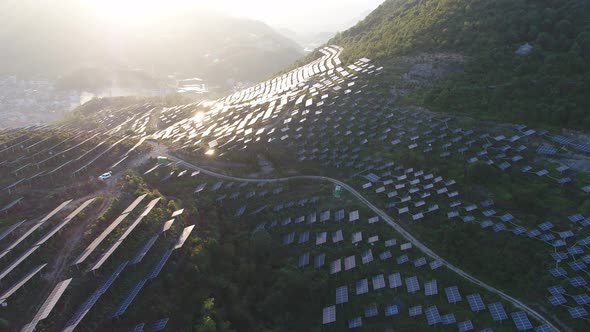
column 493, row 215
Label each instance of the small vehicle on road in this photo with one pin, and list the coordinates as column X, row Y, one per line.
column 106, row 176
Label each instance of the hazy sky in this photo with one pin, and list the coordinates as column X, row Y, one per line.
column 297, row 15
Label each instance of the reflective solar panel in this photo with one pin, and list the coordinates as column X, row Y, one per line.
column 497, row 311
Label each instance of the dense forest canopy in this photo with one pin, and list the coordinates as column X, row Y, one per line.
column 547, row 86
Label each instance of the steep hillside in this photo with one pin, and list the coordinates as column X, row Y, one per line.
column 547, row 86
column 57, row 38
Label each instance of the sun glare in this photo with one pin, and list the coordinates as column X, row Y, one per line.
column 132, row 10
column 198, row 117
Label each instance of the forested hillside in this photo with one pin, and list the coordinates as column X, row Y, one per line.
column 547, row 86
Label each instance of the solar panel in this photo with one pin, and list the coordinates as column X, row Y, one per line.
column 395, row 280
column 17, row 262
column 329, row 315
column 465, row 326
column 336, row 266
column 557, row 299
column 582, row 299
column 546, row 150
column 390, row 243
column 453, row 295
column 159, row 265
column 10, row 229
column 341, row 294
column 159, row 325
column 182, row 238
column 51, row 300
column 448, row 319
column 378, row 282
column 339, row 215
column 367, row 256
column 362, row 286
column 402, row 259
column 304, row 259
column 90, row 301
column 420, row 262
column 143, row 250
column 554, row 290
column 577, row 312
column 137, row 328
column 371, row 310
column 288, row 238
column 430, row 288
column 415, row 311
column 432, row 315
column 355, row 322
column 521, row 321
column 385, row 255
column 435, row 264
column 497, row 311
column 127, row 300
column 15, row 287
column 391, row 309
column 304, row 237
column 357, row 237
column 124, row 235
column 558, row 272
column 319, row 260
column 543, row 328
column 475, row 302
column 577, row 281
column 412, row 284
column 562, row 140
column 337, row 236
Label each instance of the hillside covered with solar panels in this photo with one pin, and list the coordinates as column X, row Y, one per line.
column 323, row 199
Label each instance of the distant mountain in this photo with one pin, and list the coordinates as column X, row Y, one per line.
column 548, row 85
column 55, row 38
